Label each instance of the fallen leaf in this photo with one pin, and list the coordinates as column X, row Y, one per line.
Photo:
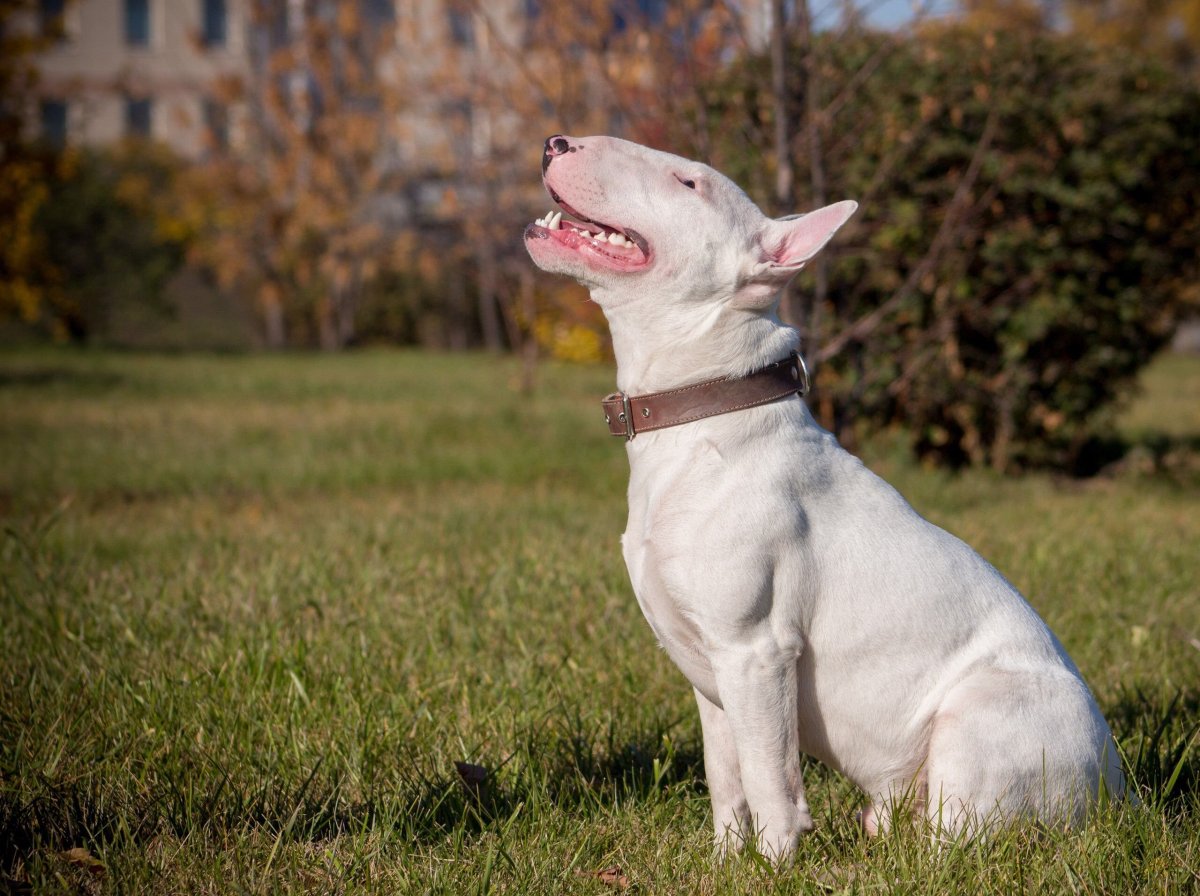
column 473, row 777
column 613, row 876
column 84, row 859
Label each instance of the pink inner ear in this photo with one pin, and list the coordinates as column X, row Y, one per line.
column 801, row 239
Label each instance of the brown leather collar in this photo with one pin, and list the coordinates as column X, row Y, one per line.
column 627, row 415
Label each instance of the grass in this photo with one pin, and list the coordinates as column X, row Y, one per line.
column 253, row 611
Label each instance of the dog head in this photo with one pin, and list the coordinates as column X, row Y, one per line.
column 648, row 225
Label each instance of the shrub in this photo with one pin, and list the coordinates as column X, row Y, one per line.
column 106, row 241
column 1070, row 255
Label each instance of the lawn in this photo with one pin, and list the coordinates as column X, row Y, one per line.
column 359, row 623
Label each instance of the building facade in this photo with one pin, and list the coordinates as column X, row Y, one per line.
column 155, row 68
column 143, row 68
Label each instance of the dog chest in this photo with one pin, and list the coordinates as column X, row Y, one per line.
column 705, row 553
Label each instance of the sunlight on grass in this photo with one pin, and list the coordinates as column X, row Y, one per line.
column 254, row 609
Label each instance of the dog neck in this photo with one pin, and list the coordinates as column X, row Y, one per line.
column 665, row 346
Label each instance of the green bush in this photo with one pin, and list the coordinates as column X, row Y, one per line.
column 108, row 244
column 1071, row 255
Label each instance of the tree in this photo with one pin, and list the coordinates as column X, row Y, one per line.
column 107, row 239
column 1166, row 29
column 438, row 119
column 296, row 213
column 26, row 168
column 513, row 74
column 80, row 231
column 1025, row 245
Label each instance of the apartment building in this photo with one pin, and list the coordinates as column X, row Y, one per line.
column 151, row 68
column 145, row 68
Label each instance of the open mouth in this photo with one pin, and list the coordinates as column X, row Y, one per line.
column 619, row 247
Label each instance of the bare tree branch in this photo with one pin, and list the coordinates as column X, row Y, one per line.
column 946, row 230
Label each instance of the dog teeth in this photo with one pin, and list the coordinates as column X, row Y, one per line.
column 552, row 220
column 608, row 239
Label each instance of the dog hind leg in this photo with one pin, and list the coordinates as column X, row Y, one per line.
column 901, row 800
column 1007, row 745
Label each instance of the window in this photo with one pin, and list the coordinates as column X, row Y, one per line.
column 137, row 23
column 139, row 111
column 50, row 17
column 54, row 121
column 533, row 18
column 379, row 12
column 643, row 12
column 213, row 27
column 462, row 30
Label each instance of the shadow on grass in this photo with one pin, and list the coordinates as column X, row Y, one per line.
column 569, row 770
column 572, row 770
column 425, row 799
column 32, row 377
column 1147, row 453
column 1160, row 736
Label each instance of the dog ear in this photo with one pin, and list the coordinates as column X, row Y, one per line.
column 790, row 242
column 787, row 244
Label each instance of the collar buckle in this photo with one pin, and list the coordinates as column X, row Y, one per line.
column 627, row 416
column 802, row 368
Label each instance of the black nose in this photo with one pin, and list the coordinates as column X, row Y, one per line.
column 555, row 146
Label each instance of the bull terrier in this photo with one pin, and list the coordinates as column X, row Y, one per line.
column 811, row 608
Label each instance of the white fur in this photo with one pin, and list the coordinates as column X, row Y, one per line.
column 811, row 608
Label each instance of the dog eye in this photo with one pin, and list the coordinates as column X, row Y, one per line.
column 690, row 184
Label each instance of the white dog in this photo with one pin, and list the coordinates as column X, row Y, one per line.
column 811, row 608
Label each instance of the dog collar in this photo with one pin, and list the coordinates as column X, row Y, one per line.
column 628, row 415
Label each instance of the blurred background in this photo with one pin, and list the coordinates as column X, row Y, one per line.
column 244, row 175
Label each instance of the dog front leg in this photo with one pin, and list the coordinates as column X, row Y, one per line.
column 731, row 815
column 758, row 691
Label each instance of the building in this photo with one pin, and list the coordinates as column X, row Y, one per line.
column 148, row 68
column 154, row 68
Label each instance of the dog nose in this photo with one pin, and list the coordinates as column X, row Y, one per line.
column 555, row 146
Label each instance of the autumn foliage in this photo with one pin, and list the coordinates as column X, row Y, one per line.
column 1027, row 239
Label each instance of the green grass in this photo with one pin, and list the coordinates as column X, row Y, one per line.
column 254, row 609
